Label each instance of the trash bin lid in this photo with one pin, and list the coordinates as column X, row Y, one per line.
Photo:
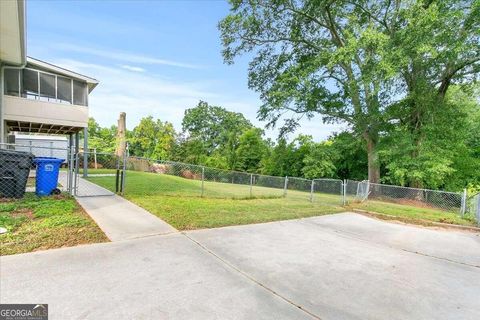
column 47, row 159
column 9, row 152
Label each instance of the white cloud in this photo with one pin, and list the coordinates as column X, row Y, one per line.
column 141, row 94
column 132, row 68
column 124, row 56
column 138, row 94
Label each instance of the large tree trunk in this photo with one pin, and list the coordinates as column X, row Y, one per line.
column 373, row 163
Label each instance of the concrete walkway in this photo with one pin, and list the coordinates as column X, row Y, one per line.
column 119, row 218
column 122, row 220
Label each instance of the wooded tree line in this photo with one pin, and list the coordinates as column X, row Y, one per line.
column 386, row 68
column 401, row 74
column 216, row 137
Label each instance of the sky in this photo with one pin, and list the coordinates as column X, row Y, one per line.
column 155, row 58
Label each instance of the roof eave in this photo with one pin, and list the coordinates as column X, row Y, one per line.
column 92, row 82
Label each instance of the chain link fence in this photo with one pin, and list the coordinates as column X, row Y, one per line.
column 473, row 207
column 328, row 191
column 415, row 197
column 97, row 173
column 448, row 201
column 18, row 170
column 355, row 191
column 195, row 180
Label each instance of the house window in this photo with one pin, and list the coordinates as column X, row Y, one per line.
column 64, row 90
column 30, row 84
column 40, row 85
column 47, row 87
column 12, row 82
column 79, row 93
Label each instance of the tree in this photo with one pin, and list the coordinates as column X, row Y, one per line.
column 286, row 159
column 314, row 57
column 319, row 162
column 446, row 156
column 103, row 139
column 152, row 139
column 276, row 160
column 217, row 128
column 250, row 150
column 302, row 146
column 350, row 156
column 440, row 46
column 351, row 61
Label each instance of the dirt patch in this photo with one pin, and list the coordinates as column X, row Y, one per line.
column 23, row 212
column 59, row 196
column 409, row 202
column 190, row 175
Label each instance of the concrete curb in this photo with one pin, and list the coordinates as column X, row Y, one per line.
column 422, row 222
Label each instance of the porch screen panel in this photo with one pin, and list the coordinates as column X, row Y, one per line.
column 64, row 90
column 12, row 82
column 47, row 86
column 30, row 83
column 79, row 93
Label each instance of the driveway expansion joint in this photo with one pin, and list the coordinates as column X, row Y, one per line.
column 250, row 278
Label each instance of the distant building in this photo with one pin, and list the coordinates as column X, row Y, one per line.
column 41, row 145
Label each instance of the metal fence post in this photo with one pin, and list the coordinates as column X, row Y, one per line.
column 95, row 157
column 85, row 152
column 203, row 179
column 251, row 184
column 285, row 186
column 124, row 168
column 464, row 202
column 70, row 171
column 477, row 208
column 344, row 191
column 75, row 175
column 367, row 191
column 311, row 190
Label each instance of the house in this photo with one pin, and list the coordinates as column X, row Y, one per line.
column 36, row 96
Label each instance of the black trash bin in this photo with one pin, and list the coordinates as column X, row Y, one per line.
column 14, row 169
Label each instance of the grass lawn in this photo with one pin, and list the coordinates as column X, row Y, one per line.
column 414, row 214
column 35, row 223
column 98, row 171
column 178, row 201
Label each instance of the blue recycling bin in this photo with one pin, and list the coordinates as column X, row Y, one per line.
column 46, row 179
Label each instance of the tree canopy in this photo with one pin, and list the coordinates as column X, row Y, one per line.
column 402, row 75
column 364, row 63
column 449, row 156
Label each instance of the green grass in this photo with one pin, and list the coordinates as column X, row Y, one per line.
column 37, row 223
column 193, row 213
column 98, row 171
column 414, row 214
column 178, row 201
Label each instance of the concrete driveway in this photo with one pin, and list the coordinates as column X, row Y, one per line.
column 343, row 266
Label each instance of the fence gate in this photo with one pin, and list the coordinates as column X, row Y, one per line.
column 103, row 175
